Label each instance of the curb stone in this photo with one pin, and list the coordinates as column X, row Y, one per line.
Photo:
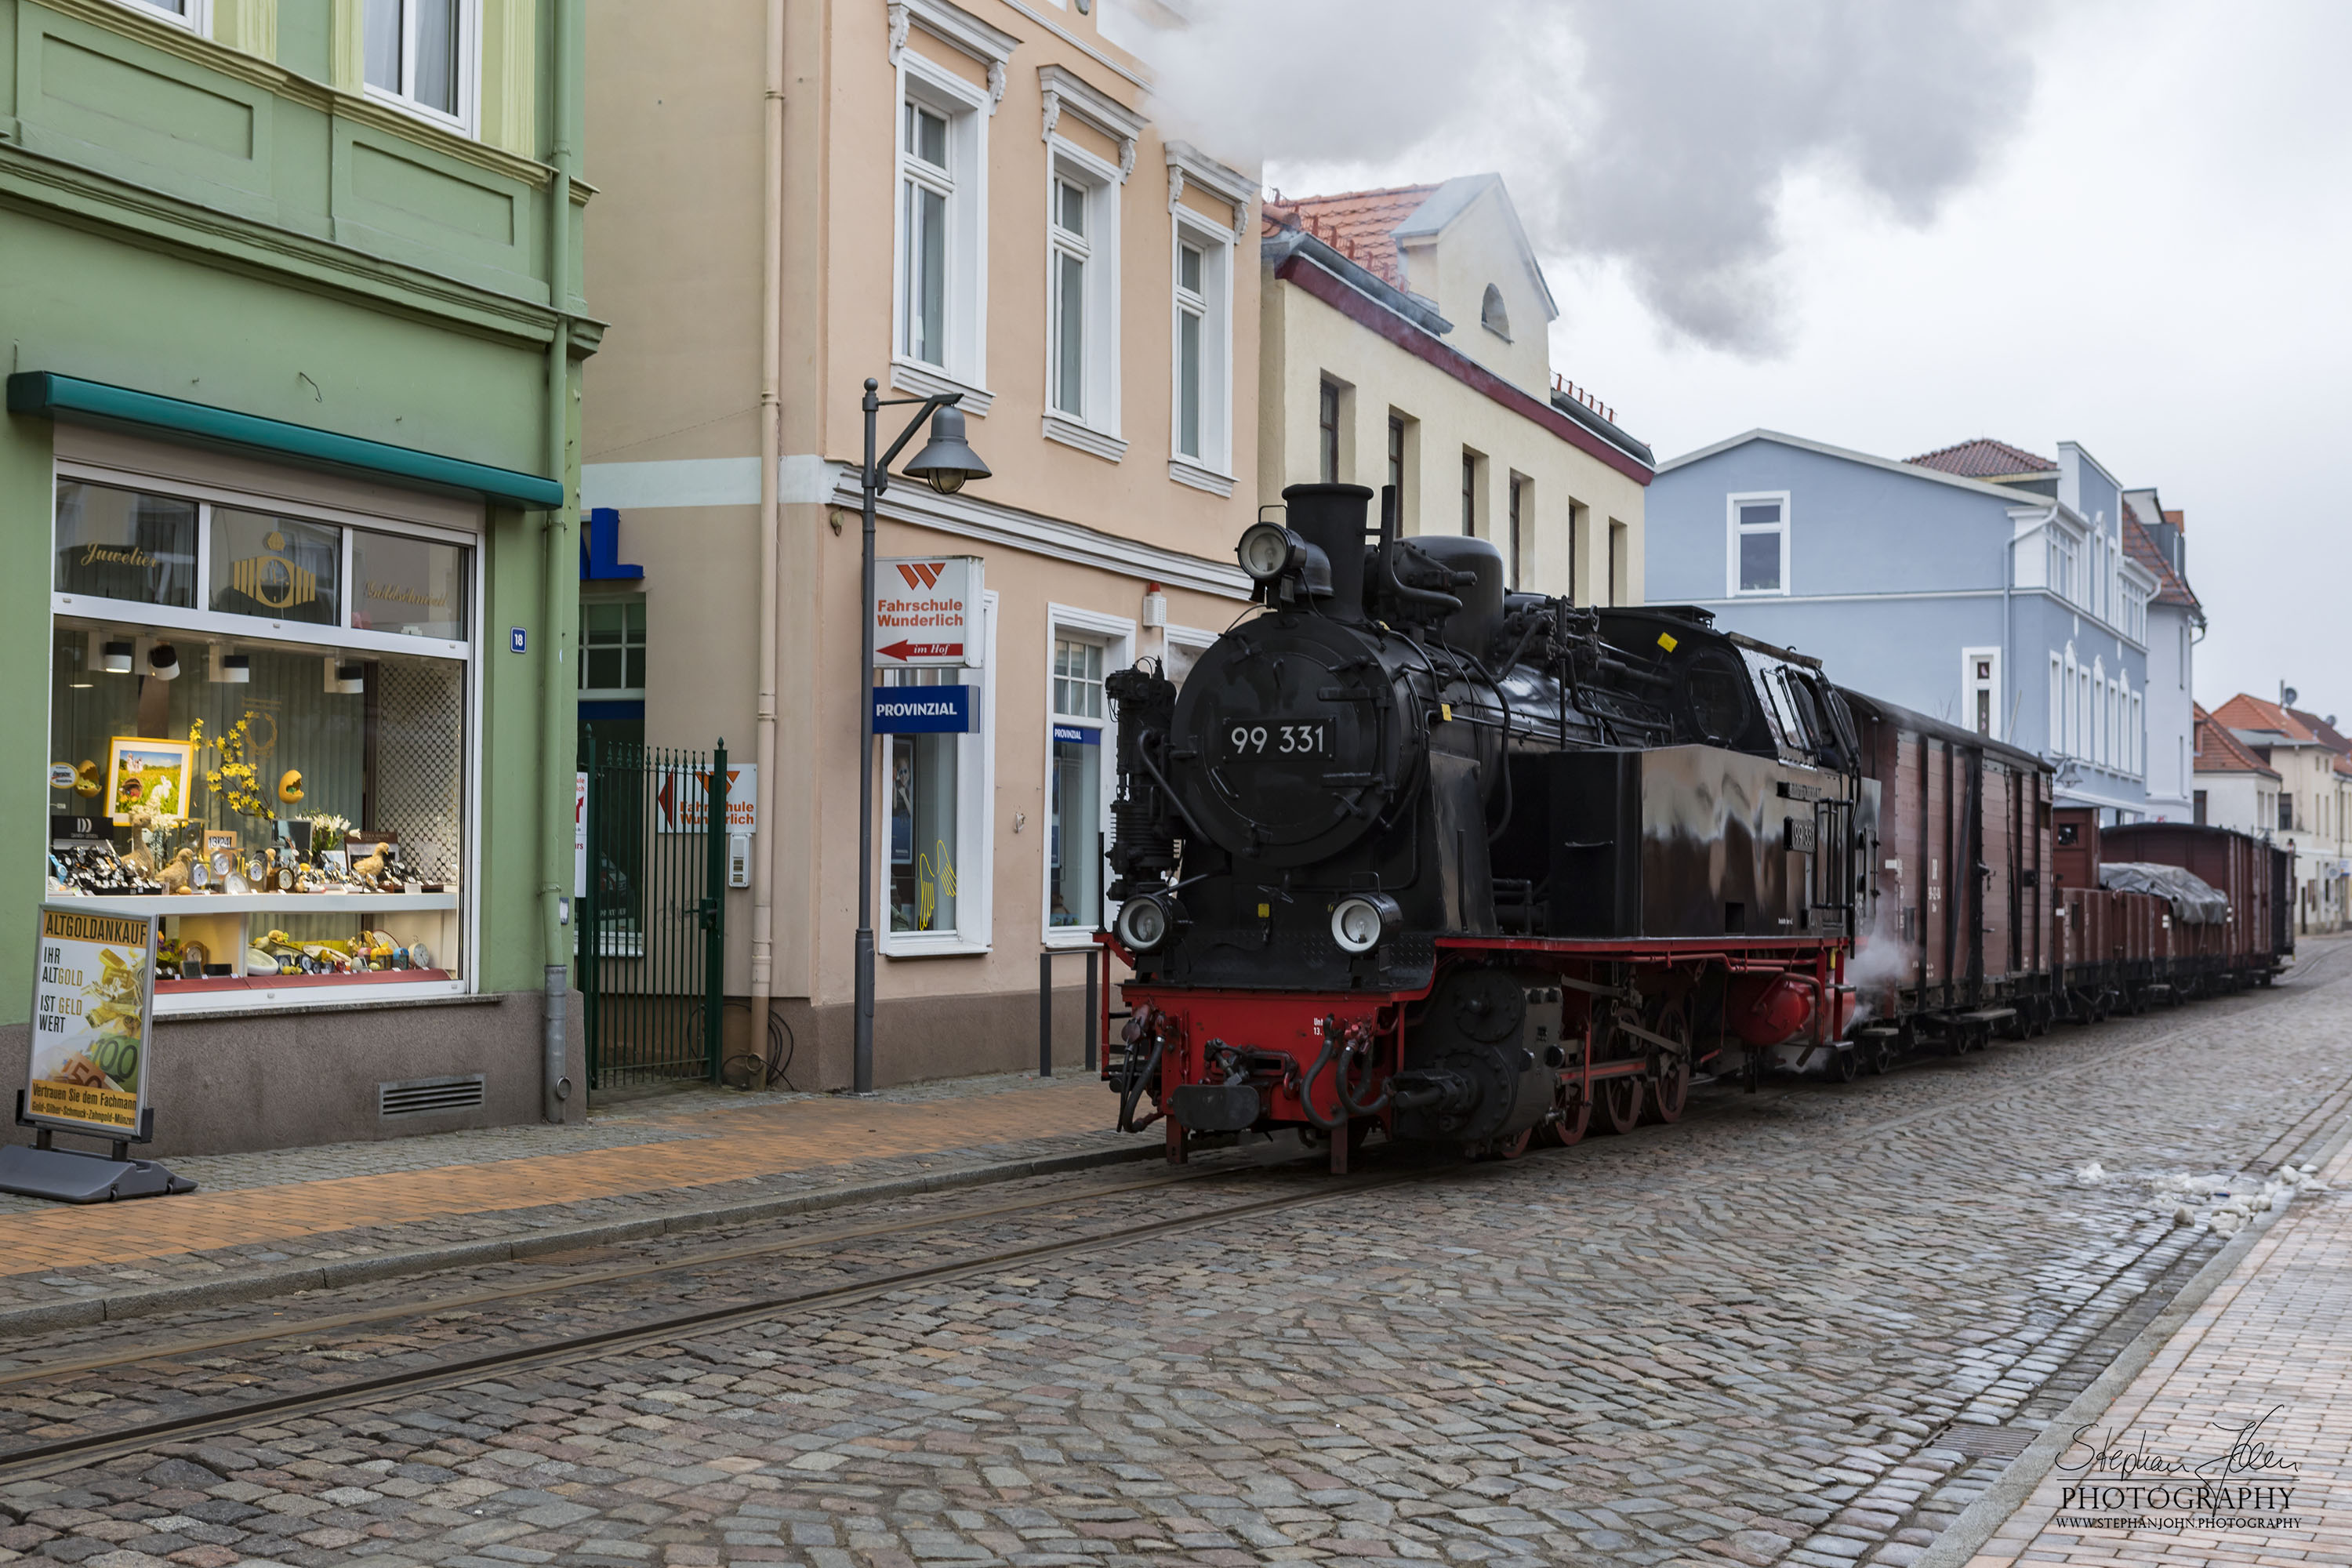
column 2016, row 1485
column 264, row 1284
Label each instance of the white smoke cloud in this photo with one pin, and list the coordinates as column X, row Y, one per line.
column 1657, row 136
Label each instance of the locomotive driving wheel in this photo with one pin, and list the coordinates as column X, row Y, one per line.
column 1575, row 1116
column 1510, row 1148
column 1668, row 1089
column 1618, row 1102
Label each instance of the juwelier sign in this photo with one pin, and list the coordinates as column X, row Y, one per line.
column 927, row 612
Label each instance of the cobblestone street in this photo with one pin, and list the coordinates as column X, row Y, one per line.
column 1738, row 1340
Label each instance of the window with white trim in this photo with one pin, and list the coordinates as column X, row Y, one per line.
column 1074, row 854
column 420, row 55
column 1082, row 296
column 1980, row 690
column 2057, row 718
column 1759, row 555
column 1083, row 648
column 1202, row 347
column 250, row 701
column 939, row 333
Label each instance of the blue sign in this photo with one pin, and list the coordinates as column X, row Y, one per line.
column 923, row 710
column 1079, row 734
column 515, row 639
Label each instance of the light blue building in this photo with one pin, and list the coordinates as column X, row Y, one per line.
column 1980, row 583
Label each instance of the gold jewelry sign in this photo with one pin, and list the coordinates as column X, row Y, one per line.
column 93, row 1020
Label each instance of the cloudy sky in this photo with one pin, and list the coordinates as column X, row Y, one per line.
column 1895, row 227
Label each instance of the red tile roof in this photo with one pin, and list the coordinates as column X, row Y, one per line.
column 2245, row 712
column 1985, row 459
column 2220, row 752
column 1360, row 225
column 2140, row 545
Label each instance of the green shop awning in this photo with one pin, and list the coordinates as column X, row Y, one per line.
column 54, row 396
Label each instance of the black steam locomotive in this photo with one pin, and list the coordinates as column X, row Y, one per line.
column 1410, row 851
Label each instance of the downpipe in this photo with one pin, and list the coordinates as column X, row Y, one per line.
column 560, row 715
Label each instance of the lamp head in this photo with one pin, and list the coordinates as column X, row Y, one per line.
column 946, row 462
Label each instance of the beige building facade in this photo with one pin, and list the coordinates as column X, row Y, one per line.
column 1407, row 340
column 945, row 198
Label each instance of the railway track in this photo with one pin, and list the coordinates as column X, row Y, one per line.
column 71, row 1450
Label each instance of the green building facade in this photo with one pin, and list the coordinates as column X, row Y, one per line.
column 290, row 296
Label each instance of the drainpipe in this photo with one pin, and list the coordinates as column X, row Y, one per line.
column 562, row 576
column 772, row 285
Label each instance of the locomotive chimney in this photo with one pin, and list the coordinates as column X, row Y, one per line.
column 1331, row 519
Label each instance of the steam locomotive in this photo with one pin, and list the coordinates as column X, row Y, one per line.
column 1408, row 850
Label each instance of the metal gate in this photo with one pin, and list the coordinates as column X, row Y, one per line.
column 651, row 912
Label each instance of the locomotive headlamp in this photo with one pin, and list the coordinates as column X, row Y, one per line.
column 1268, row 551
column 1361, row 921
column 1144, row 923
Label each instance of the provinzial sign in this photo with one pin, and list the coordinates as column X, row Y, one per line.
column 682, row 799
column 927, row 612
column 923, row 710
column 93, row 1015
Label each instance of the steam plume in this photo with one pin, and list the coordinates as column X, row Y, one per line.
column 1658, row 136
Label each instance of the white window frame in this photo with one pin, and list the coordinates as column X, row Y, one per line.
column 1096, row 428
column 612, row 693
column 966, row 108
column 975, row 792
column 469, row 69
column 1212, row 468
column 2056, row 721
column 1970, row 686
column 1732, row 531
column 198, row 19
column 1116, row 635
column 331, row 641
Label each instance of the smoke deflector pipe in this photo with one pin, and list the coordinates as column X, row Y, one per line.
column 562, row 590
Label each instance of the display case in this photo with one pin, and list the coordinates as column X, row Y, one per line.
column 260, row 732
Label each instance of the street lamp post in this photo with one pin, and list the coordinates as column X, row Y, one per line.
column 945, row 463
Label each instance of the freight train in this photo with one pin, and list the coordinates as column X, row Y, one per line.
column 1410, row 851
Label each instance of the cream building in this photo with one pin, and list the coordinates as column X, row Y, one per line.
column 947, row 198
column 1407, row 342
column 2313, row 798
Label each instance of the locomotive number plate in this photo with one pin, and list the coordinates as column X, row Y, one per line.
column 1250, row 741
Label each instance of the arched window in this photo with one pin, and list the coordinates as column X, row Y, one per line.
column 1492, row 315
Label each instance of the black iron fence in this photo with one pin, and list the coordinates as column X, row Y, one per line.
column 650, row 916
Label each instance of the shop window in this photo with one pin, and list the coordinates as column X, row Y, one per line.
column 936, row 796
column 1084, row 648
column 418, row 55
column 1074, row 869
column 280, row 768
column 123, row 544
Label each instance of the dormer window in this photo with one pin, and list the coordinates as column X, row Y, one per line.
column 1493, row 316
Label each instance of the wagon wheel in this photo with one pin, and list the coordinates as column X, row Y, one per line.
column 1876, row 1054
column 1845, row 1063
column 1618, row 1103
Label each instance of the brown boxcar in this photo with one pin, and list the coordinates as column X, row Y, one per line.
column 1961, row 944
column 2249, row 948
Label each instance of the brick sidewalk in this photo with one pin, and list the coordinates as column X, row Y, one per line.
column 2271, row 1344
column 279, row 1213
